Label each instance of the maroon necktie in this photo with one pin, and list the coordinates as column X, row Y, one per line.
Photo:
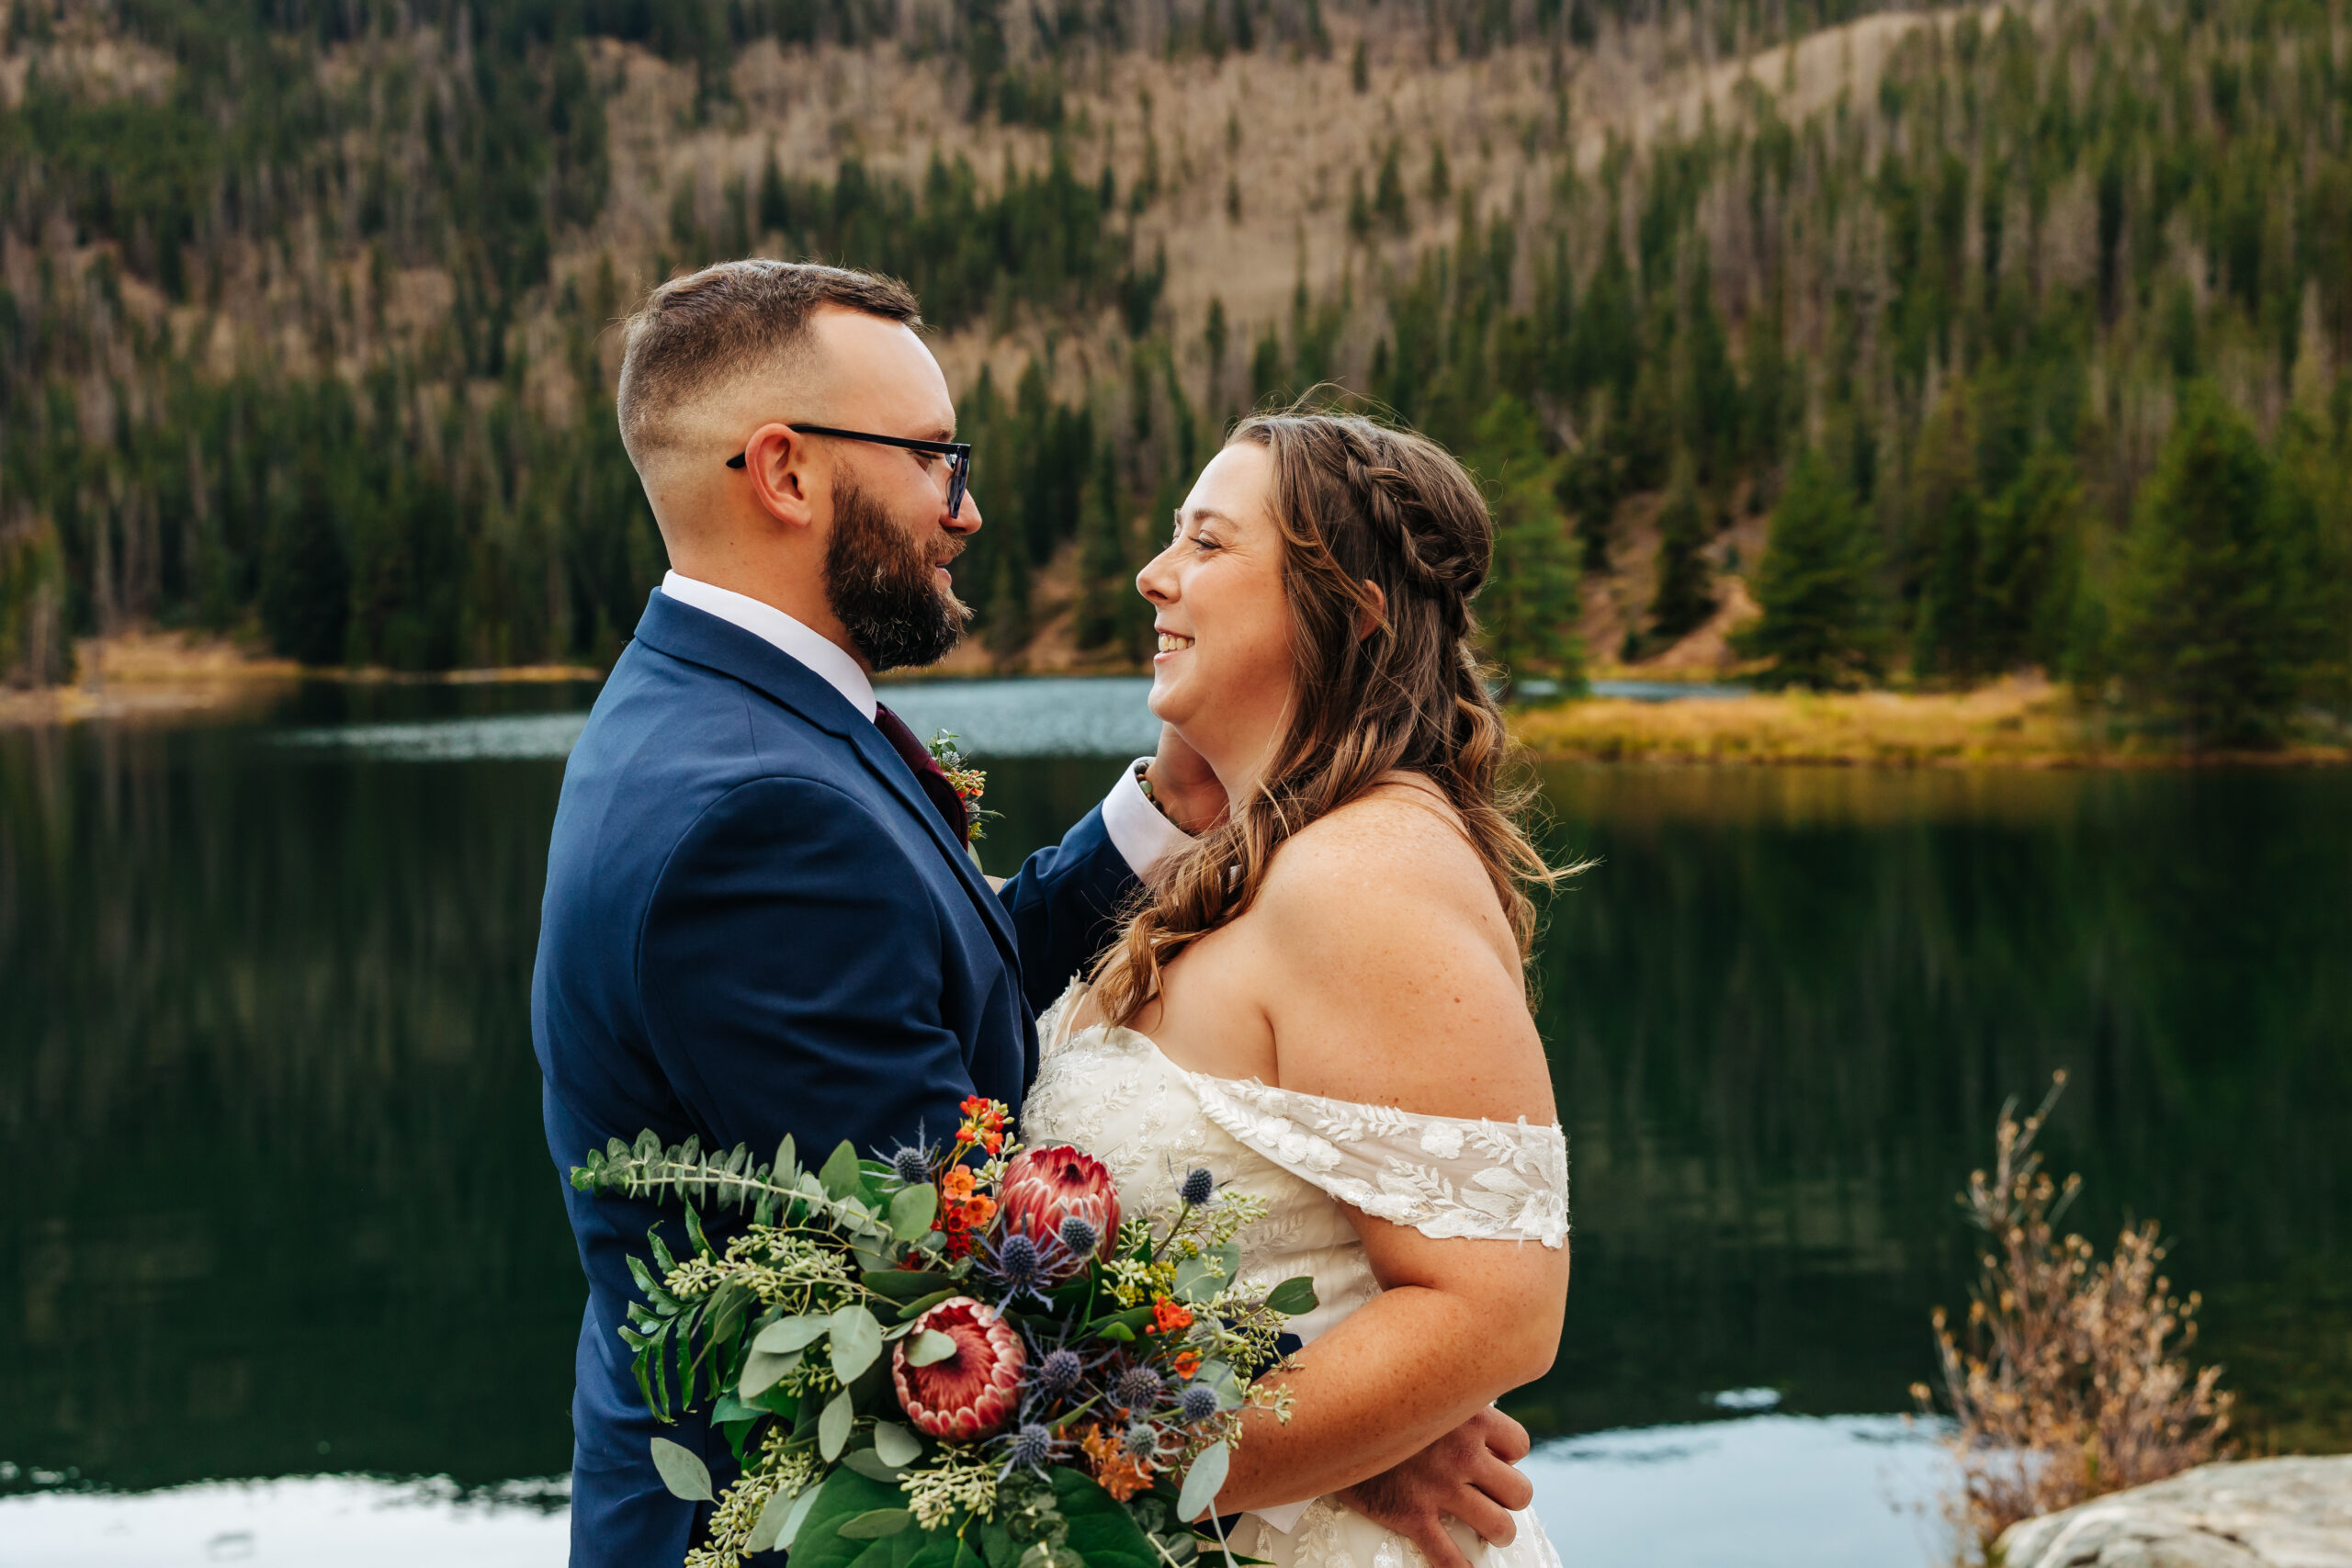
column 927, row 771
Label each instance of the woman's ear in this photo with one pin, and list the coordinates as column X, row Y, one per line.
column 1374, row 615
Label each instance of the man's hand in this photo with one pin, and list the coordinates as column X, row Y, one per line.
column 1467, row 1473
column 1185, row 785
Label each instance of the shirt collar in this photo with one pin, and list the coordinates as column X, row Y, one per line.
column 821, row 654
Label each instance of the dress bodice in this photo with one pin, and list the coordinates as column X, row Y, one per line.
column 1111, row 1092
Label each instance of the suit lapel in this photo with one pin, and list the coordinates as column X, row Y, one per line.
column 684, row 632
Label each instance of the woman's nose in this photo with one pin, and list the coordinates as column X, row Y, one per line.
column 1156, row 582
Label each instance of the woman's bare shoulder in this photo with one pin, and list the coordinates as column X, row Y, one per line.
column 1402, row 840
column 1392, row 972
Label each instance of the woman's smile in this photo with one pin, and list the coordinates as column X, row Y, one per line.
column 1171, row 642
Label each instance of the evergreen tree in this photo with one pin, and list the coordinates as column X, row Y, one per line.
column 1940, row 549
column 2211, row 624
column 305, row 574
column 1822, row 623
column 1685, row 597
column 1110, row 612
column 2028, row 566
column 1530, row 606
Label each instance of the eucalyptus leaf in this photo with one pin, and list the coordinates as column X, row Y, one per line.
column 833, row 1426
column 790, row 1334
column 683, row 1472
column 897, row 1445
column 922, row 1305
column 857, row 1339
column 928, row 1347
column 761, row 1370
column 770, row 1525
column 872, row 1465
column 839, row 1175
column 875, row 1523
column 1292, row 1296
column 844, row 1495
column 1204, row 1480
column 912, row 1211
column 1198, row 1280
column 799, row 1514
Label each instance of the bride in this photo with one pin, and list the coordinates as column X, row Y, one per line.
column 1322, row 1000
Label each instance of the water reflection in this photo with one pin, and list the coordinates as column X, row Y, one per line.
column 281, row 1205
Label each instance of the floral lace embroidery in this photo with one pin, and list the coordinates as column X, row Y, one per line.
column 1484, row 1180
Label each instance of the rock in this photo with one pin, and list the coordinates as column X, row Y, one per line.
column 2272, row 1513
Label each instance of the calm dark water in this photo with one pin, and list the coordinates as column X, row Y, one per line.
column 276, row 1202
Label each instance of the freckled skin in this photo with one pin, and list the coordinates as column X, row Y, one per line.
column 1376, row 965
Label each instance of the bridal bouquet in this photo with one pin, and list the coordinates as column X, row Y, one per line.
column 961, row 1357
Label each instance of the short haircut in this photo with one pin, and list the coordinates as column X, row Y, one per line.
column 696, row 333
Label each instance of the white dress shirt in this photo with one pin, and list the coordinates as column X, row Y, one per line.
column 1141, row 834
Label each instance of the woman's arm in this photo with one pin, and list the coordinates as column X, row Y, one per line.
column 1389, row 977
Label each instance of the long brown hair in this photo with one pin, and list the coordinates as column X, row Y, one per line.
column 1356, row 501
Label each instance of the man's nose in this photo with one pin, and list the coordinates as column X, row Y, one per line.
column 967, row 519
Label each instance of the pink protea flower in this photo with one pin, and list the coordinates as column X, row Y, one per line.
column 1044, row 1189
column 972, row 1393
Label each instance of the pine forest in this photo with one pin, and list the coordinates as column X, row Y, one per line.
column 1843, row 348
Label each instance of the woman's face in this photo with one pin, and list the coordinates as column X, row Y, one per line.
column 1224, row 672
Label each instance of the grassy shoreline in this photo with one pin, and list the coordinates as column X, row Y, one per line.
column 2013, row 724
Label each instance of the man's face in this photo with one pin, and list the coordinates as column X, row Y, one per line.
column 889, row 588
column 885, row 560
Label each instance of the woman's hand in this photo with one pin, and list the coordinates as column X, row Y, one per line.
column 1470, row 1474
column 1185, row 785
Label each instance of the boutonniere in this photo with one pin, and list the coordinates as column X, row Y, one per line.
column 969, row 783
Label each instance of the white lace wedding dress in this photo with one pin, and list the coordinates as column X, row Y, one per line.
column 1111, row 1091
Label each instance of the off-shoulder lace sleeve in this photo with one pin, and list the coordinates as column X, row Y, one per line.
column 1445, row 1175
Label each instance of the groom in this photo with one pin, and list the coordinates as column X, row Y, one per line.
column 760, row 914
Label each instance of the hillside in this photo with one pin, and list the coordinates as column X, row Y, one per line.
column 303, row 327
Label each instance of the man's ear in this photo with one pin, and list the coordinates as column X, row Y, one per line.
column 777, row 463
column 1374, row 615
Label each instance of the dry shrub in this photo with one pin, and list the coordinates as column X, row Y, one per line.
column 2069, row 1382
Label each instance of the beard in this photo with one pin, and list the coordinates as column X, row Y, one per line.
column 879, row 583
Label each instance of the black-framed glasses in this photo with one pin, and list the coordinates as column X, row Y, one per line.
column 957, row 452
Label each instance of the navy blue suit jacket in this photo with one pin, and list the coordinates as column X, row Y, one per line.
column 756, row 924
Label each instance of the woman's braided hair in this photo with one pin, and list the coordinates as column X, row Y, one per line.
column 1357, row 502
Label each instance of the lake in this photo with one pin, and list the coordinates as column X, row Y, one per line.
column 284, row 1272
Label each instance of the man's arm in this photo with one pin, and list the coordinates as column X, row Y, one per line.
column 791, row 979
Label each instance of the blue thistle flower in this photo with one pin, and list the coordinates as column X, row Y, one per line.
column 1142, row 1438
column 1058, row 1374
column 1079, row 1235
column 1198, row 1188
column 1200, row 1404
column 1029, row 1446
column 910, row 1164
column 1021, row 1266
column 1138, row 1388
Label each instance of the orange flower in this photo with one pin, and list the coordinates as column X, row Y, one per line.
column 1122, row 1474
column 958, row 1183
column 993, row 1142
column 1169, row 1317
column 1187, row 1362
column 973, row 1105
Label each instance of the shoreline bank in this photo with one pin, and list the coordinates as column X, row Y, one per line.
column 2017, row 723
